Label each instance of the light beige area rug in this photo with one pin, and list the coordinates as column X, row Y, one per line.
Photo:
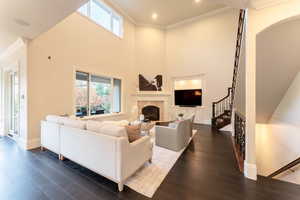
column 148, row 178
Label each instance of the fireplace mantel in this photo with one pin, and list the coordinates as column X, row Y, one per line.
column 151, row 94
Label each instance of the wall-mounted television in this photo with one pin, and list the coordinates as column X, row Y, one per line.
column 188, row 98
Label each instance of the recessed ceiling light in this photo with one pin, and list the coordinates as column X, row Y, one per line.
column 154, row 16
column 197, row 1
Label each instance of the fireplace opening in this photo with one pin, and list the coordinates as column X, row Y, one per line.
column 151, row 113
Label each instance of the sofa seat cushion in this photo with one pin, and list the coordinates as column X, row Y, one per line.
column 73, row 123
column 133, row 132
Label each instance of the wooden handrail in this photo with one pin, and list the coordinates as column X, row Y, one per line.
column 228, row 94
column 285, row 168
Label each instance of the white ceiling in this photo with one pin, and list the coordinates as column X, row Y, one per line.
column 260, row 4
column 29, row 18
column 170, row 11
column 277, row 65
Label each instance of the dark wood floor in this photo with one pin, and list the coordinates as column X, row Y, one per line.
column 205, row 171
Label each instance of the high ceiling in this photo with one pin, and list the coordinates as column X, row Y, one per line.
column 168, row 11
column 277, row 65
column 173, row 11
column 31, row 17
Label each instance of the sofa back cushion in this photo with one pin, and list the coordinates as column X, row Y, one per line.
column 54, row 119
column 106, row 128
column 73, row 123
column 118, row 123
column 94, row 126
column 113, row 130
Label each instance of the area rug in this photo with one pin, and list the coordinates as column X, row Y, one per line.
column 148, row 178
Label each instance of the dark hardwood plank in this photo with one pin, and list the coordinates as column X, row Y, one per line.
column 206, row 170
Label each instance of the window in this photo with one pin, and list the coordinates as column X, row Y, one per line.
column 103, row 15
column 96, row 95
column 82, row 93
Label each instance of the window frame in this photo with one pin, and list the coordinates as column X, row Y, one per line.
column 90, row 74
column 111, row 11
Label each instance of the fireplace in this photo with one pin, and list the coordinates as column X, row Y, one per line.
column 151, row 113
column 152, row 110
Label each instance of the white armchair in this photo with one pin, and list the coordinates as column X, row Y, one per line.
column 174, row 137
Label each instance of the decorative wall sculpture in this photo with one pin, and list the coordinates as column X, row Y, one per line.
column 154, row 85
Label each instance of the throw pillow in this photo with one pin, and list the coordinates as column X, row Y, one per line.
column 133, row 132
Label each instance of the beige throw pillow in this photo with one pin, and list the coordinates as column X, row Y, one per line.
column 133, row 132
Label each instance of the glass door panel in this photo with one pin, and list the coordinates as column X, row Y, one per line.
column 14, row 103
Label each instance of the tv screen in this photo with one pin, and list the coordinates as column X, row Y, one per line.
column 188, row 97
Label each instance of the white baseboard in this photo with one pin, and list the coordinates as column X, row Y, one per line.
column 34, row 143
column 29, row 144
column 250, row 171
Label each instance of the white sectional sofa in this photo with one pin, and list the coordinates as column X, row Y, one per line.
column 102, row 147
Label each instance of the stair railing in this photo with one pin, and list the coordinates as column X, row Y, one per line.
column 226, row 103
column 285, row 168
column 240, row 135
column 219, row 107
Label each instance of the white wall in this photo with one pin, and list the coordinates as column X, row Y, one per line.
column 204, row 47
column 259, row 20
column 278, row 142
column 75, row 43
column 274, row 55
column 150, row 53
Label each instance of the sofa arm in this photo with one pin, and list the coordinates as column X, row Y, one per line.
column 167, row 137
column 140, row 143
column 165, row 133
column 135, row 155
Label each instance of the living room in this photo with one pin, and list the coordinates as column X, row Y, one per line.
column 56, row 55
column 119, row 105
column 81, row 68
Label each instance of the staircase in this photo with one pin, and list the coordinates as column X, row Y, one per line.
column 222, row 109
column 285, row 168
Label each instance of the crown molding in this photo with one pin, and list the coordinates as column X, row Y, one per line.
column 262, row 4
column 151, row 26
column 193, row 19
